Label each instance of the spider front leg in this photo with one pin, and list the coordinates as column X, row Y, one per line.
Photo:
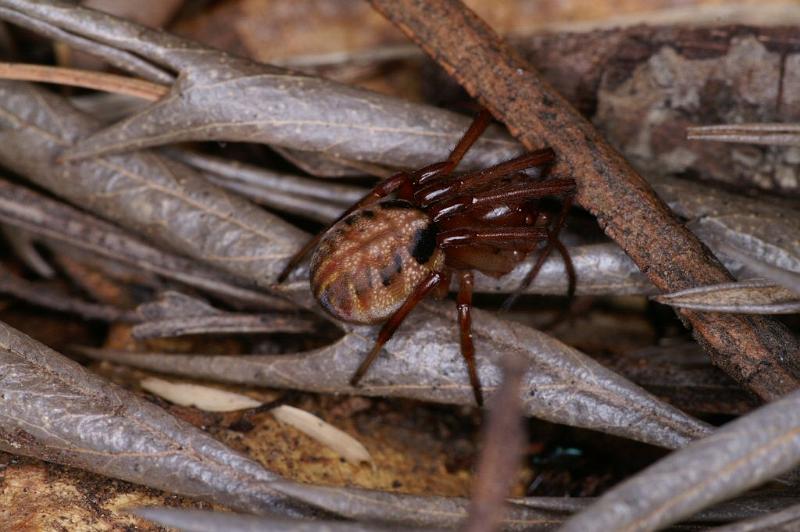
column 464, row 305
column 394, row 322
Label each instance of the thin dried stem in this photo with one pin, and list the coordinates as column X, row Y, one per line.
column 87, row 79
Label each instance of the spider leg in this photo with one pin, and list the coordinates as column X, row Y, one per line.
column 514, row 193
column 501, row 237
column 394, row 322
column 440, row 187
column 552, row 243
column 473, row 133
column 384, row 188
column 464, row 303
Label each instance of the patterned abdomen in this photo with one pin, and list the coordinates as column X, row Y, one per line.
column 368, row 264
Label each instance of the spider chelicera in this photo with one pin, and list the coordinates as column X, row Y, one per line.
column 383, row 256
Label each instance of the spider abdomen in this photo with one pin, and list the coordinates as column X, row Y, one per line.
column 369, row 263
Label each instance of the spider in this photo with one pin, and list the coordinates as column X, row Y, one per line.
column 383, row 256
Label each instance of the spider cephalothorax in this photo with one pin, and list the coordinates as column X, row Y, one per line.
column 383, row 256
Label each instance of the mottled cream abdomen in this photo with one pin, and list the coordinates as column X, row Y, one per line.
column 368, row 264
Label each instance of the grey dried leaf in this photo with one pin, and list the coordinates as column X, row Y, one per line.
column 271, row 181
column 763, row 232
column 177, row 314
column 45, row 296
column 423, row 361
column 787, row 520
column 684, row 376
column 272, row 105
column 155, row 196
column 310, row 198
column 57, row 222
column 317, row 164
column 206, row 521
column 409, row 510
column 53, row 409
column 530, row 513
column 742, row 454
column 766, row 134
column 750, row 297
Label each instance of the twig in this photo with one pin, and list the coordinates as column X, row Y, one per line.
column 756, row 351
column 88, row 79
column 504, row 441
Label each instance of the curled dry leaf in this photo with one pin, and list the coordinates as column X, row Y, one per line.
column 273, row 105
column 337, row 440
column 742, row 454
column 155, row 196
column 52, row 408
column 202, row 397
column 760, row 235
column 177, row 314
column 530, row 513
column 60, row 223
column 205, row 521
column 45, row 296
column 318, row 200
column 750, row 297
column 409, row 510
column 423, row 361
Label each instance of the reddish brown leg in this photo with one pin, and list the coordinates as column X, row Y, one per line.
column 441, row 187
column 384, row 188
column 464, row 303
column 476, row 129
column 515, row 193
column 394, row 322
column 502, row 237
column 552, row 243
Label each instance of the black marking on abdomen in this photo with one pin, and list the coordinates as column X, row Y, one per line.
column 389, row 273
column 424, row 243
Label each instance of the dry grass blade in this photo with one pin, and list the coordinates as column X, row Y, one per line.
column 58, row 222
column 206, row 521
column 423, row 362
column 739, row 456
column 759, row 353
column 52, row 408
column 503, row 442
column 301, row 112
column 749, row 297
column 766, row 134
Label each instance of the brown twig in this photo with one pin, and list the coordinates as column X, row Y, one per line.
column 87, row 79
column 758, row 352
column 504, row 441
